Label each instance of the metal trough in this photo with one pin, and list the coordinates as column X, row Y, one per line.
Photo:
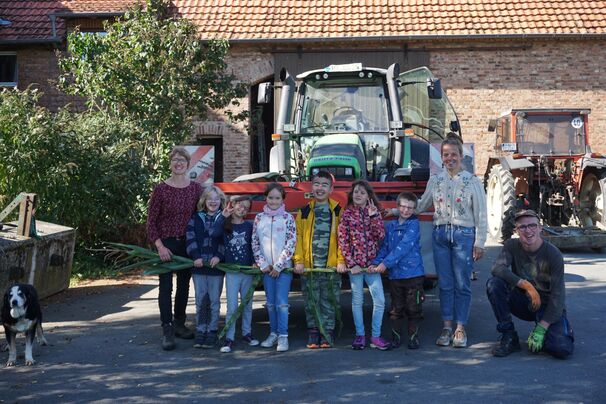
column 45, row 262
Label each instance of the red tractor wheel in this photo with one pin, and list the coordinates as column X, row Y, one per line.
column 591, row 198
column 500, row 203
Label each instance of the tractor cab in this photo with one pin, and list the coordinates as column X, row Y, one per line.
column 542, row 132
column 360, row 122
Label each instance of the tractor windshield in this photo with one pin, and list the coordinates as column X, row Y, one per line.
column 550, row 134
column 431, row 119
column 352, row 104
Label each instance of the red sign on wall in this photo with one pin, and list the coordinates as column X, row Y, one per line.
column 202, row 164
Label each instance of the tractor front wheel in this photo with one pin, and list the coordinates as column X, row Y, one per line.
column 501, row 203
column 591, row 199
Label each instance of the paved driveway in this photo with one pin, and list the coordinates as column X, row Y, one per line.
column 104, row 346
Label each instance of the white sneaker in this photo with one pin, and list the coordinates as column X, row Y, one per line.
column 226, row 348
column 460, row 339
column 248, row 338
column 270, row 340
column 445, row 338
column 282, row 343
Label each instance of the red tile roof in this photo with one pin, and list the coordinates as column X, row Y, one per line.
column 30, row 20
column 309, row 19
column 292, row 19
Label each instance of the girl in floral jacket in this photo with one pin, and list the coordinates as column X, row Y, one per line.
column 360, row 232
column 273, row 243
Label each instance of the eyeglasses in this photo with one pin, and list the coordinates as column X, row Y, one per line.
column 177, row 160
column 406, row 207
column 530, row 226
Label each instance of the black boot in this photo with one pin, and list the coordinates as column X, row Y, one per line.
column 396, row 339
column 413, row 338
column 181, row 331
column 508, row 343
column 211, row 340
column 168, row 337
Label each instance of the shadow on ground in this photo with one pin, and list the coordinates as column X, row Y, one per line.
column 104, row 346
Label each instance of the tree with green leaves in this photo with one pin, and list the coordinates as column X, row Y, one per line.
column 144, row 81
column 77, row 163
column 151, row 68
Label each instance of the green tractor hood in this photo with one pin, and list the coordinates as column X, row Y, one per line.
column 340, row 154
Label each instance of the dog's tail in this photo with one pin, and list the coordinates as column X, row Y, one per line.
column 40, row 335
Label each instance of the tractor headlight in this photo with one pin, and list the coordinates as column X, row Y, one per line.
column 348, row 171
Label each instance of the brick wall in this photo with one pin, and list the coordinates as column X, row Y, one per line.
column 483, row 83
column 249, row 67
column 481, row 79
column 37, row 66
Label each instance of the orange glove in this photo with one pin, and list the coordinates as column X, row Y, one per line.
column 535, row 298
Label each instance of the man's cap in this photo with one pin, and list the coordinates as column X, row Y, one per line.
column 526, row 213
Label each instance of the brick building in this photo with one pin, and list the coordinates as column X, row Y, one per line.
column 31, row 32
column 491, row 55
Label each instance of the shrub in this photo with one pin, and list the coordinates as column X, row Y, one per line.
column 85, row 174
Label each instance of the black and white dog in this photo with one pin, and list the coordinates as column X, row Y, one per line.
column 21, row 313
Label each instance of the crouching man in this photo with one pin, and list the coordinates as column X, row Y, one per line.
column 528, row 282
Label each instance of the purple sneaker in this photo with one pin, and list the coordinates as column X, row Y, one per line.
column 379, row 343
column 359, row 342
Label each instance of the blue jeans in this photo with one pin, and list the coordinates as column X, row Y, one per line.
column 375, row 287
column 276, row 295
column 505, row 301
column 208, row 301
column 453, row 258
column 238, row 283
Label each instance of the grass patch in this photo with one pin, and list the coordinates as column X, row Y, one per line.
column 91, row 266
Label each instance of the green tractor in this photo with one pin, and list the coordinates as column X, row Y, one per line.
column 359, row 122
column 355, row 122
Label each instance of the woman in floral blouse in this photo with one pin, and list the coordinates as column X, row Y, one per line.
column 459, row 235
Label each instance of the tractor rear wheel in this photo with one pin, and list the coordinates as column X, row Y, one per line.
column 500, row 203
column 591, row 201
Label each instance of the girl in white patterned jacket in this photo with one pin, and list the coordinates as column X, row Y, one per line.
column 273, row 242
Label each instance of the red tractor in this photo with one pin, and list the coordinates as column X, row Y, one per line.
column 544, row 162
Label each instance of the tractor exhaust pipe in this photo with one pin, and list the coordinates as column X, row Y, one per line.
column 394, row 100
column 288, row 86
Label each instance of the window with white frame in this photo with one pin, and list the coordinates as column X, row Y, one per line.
column 8, row 69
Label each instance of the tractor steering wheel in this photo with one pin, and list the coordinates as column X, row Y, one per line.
column 342, row 114
column 346, row 110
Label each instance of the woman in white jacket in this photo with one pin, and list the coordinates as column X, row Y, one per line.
column 273, row 243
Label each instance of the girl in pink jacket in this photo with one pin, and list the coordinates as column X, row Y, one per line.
column 360, row 232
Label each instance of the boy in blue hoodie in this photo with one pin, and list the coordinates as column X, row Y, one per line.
column 400, row 254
